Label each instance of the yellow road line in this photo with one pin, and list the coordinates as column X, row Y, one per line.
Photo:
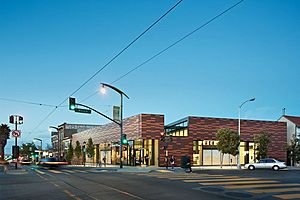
column 288, row 196
column 219, row 180
column 55, row 171
column 164, row 171
column 187, row 177
column 40, row 172
column 260, row 185
column 69, row 193
column 239, row 183
column 69, row 171
column 274, row 190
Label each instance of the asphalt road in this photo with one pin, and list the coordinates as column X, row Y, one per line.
column 92, row 183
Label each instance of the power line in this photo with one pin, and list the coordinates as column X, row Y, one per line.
column 110, row 61
column 170, row 46
column 27, row 102
column 181, row 39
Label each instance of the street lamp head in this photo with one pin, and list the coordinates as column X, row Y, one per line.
column 103, row 89
column 252, row 99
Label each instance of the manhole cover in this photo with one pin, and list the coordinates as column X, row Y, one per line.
column 238, row 194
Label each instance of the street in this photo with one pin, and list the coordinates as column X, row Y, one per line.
column 100, row 183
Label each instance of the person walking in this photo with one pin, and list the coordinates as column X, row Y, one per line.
column 189, row 165
column 172, row 161
column 147, row 160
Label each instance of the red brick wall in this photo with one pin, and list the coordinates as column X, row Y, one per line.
column 206, row 128
column 202, row 128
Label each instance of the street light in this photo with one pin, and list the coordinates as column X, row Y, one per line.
column 238, row 156
column 103, row 91
column 40, row 153
column 40, row 141
column 58, row 149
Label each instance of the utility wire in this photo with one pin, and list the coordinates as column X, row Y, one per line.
column 110, row 61
column 170, row 46
column 28, row 102
column 178, row 41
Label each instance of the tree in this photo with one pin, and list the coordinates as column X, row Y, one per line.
column 90, row 148
column 228, row 142
column 4, row 135
column 70, row 153
column 262, row 141
column 294, row 150
column 27, row 150
column 78, row 151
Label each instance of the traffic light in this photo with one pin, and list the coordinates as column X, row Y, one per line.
column 20, row 120
column 12, row 119
column 72, row 104
column 15, row 151
column 124, row 139
column 162, row 136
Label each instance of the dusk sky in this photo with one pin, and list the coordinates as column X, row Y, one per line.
column 50, row 48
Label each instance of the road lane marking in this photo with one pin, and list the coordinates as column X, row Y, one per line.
column 164, row 171
column 204, row 177
column 80, row 171
column 69, row 171
column 287, row 196
column 69, row 193
column 239, row 183
column 40, row 172
column 274, row 190
column 260, row 185
column 55, row 171
column 220, row 180
column 187, row 177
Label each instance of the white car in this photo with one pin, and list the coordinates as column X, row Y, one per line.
column 268, row 163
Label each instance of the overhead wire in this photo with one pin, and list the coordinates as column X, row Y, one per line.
column 28, row 102
column 109, row 62
column 170, row 46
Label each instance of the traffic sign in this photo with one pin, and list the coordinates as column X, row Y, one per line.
column 80, row 110
column 16, row 133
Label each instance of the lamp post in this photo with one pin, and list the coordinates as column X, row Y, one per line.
column 121, row 114
column 83, row 155
column 40, row 153
column 239, row 128
column 58, row 138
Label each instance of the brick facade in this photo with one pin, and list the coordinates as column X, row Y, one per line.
column 203, row 128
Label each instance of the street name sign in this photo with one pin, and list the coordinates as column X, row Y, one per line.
column 81, row 110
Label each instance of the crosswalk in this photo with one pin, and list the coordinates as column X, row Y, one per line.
column 65, row 171
column 247, row 185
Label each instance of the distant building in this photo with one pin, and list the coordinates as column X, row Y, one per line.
column 191, row 136
column 61, row 139
column 293, row 126
column 293, row 130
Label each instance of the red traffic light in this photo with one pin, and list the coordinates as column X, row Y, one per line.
column 12, row 119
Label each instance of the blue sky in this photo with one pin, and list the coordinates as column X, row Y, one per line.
column 49, row 48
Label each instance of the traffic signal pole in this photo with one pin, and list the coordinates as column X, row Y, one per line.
column 16, row 144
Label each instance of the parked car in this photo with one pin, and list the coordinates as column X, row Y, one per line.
column 25, row 162
column 268, row 163
column 51, row 162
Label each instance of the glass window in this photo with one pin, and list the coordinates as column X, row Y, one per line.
column 262, row 161
column 270, row 161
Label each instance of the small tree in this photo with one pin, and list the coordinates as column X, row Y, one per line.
column 78, row 150
column 4, row 135
column 27, row 149
column 90, row 149
column 294, row 150
column 262, row 141
column 228, row 142
column 70, row 153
